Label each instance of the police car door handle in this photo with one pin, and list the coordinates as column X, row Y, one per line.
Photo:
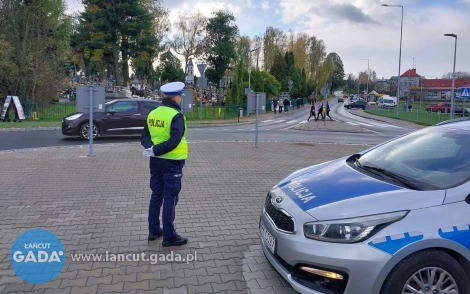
column 137, row 114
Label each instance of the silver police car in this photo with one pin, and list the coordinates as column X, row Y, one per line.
column 393, row 219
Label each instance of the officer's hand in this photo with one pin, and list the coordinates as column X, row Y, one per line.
column 148, row 152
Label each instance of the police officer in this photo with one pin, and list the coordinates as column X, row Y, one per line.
column 164, row 138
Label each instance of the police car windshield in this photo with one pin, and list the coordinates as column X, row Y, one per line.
column 435, row 158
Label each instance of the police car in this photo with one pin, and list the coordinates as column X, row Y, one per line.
column 393, row 219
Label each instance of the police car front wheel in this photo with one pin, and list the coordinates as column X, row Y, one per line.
column 431, row 271
column 85, row 131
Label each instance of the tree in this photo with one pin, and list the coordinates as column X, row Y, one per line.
column 279, row 68
column 257, row 43
column 300, row 46
column 316, row 56
column 271, row 85
column 34, row 37
column 142, row 64
column 337, row 77
column 126, row 25
column 458, row 75
column 221, row 33
column 242, row 49
column 170, row 69
column 189, row 36
column 274, row 43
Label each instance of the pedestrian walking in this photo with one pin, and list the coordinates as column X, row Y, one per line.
column 164, row 139
column 274, row 104
column 312, row 112
column 280, row 107
column 328, row 110
column 319, row 110
column 286, row 105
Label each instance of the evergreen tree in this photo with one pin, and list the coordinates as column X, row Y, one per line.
column 220, row 48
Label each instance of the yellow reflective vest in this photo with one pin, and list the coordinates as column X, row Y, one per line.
column 159, row 124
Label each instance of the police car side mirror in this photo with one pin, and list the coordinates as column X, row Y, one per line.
column 112, row 111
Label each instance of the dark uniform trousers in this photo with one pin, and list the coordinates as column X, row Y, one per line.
column 165, row 186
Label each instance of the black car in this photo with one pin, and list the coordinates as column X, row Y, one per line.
column 121, row 117
column 356, row 104
column 340, row 99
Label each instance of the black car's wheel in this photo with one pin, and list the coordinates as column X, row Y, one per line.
column 431, row 271
column 85, row 131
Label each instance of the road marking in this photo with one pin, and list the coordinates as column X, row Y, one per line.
column 279, row 121
column 351, row 123
column 239, row 129
column 267, row 129
column 267, row 120
column 226, row 130
column 291, row 122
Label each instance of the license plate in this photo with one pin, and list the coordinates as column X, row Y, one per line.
column 268, row 239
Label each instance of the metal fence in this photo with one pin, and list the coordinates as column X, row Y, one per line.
column 421, row 117
column 42, row 111
column 45, row 111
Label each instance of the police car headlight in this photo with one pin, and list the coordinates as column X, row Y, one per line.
column 74, row 116
column 351, row 230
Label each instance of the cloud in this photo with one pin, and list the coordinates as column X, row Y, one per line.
column 265, row 5
column 351, row 13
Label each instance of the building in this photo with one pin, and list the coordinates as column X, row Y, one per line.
column 190, row 72
column 439, row 88
column 408, row 80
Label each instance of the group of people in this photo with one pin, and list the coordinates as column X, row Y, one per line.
column 318, row 109
column 286, row 104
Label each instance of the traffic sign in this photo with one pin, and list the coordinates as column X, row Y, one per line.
column 201, row 67
column 324, row 91
column 465, row 93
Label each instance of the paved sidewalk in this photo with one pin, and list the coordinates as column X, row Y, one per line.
column 100, row 204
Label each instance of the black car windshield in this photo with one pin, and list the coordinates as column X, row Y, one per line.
column 434, row 158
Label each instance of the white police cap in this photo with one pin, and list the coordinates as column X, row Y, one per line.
column 172, row 89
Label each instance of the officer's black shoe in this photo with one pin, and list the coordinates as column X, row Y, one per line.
column 153, row 237
column 177, row 240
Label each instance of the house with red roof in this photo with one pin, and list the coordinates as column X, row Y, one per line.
column 440, row 88
column 408, row 80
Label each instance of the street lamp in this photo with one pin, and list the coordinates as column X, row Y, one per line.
column 453, row 76
column 368, row 70
column 399, row 59
column 249, row 70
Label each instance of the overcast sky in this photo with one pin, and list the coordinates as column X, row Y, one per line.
column 357, row 29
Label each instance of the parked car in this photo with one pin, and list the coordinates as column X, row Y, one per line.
column 439, row 108
column 121, row 117
column 390, row 219
column 356, row 104
column 462, row 111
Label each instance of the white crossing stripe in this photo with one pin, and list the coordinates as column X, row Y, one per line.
column 291, row 122
column 267, row 120
column 279, row 121
column 239, row 129
column 351, row 123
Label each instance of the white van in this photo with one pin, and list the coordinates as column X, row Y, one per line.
column 387, row 101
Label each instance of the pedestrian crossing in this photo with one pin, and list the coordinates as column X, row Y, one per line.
column 373, row 124
column 280, row 121
column 290, row 124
